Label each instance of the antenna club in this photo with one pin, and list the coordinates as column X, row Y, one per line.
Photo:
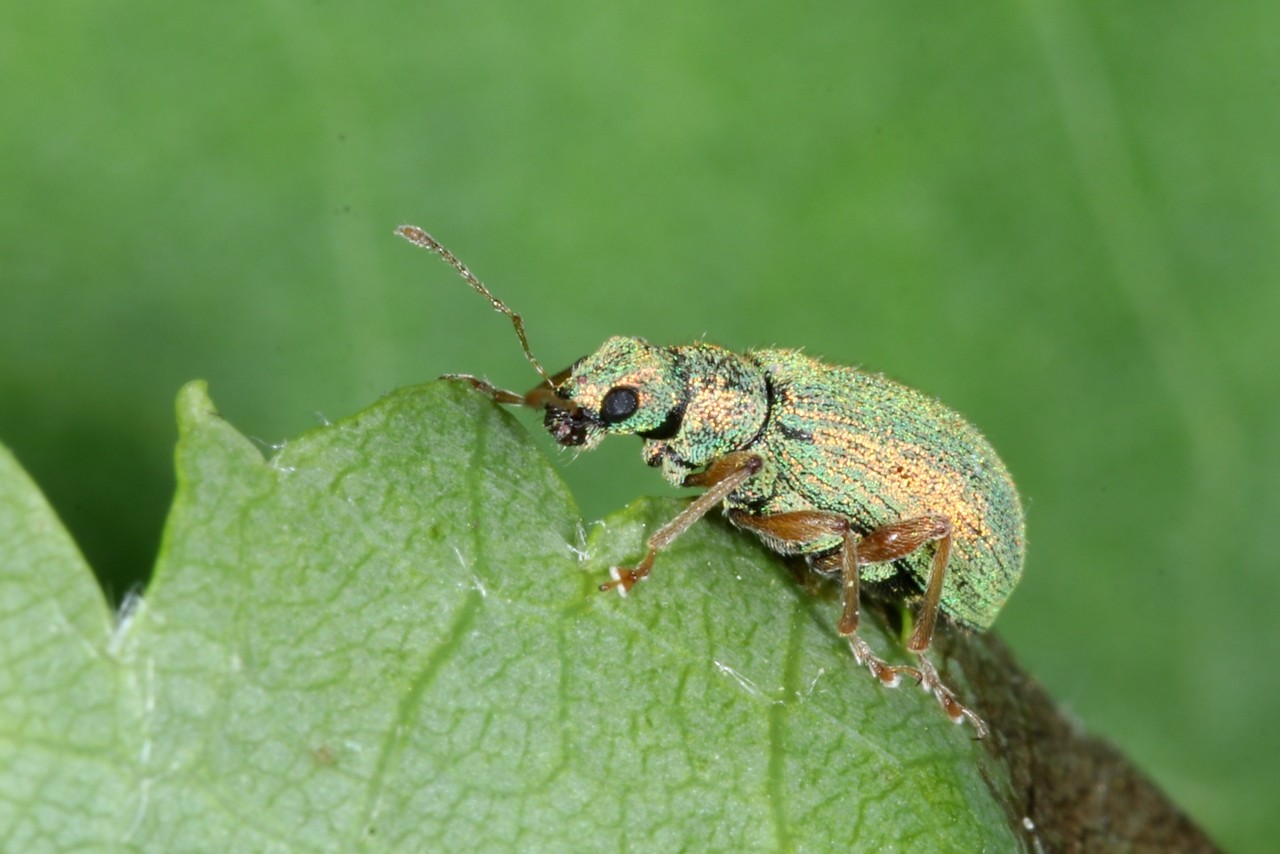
column 418, row 237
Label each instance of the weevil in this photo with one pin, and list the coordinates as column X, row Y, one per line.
column 868, row 480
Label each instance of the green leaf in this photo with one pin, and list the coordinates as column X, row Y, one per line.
column 387, row 635
column 67, row 736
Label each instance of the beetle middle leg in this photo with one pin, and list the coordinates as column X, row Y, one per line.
column 897, row 540
column 722, row 477
column 886, row 543
column 787, row 531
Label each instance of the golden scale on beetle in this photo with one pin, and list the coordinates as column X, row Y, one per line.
column 867, row 479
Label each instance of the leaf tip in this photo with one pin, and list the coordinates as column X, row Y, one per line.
column 193, row 405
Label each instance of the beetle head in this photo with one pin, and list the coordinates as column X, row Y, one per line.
column 627, row 386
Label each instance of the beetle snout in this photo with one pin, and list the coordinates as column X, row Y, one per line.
column 569, row 427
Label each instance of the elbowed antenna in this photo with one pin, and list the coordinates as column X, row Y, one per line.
column 418, row 237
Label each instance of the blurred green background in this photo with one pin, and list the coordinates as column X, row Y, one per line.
column 1063, row 219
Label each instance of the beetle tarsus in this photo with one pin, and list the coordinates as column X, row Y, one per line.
column 951, row 705
column 623, row 579
column 889, row 675
column 498, row 395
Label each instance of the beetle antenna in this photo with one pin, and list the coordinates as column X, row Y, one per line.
column 418, row 237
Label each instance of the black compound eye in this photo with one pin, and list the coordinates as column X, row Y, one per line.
column 619, row 404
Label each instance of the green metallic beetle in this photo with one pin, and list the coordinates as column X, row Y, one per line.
column 856, row 473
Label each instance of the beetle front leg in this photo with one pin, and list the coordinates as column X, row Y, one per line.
column 722, row 477
column 497, row 395
column 539, row 396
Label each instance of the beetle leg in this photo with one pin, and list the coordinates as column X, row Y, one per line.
column 541, row 395
column 787, row 532
column 951, row 705
column 498, row 395
column 723, row 476
column 897, row 540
